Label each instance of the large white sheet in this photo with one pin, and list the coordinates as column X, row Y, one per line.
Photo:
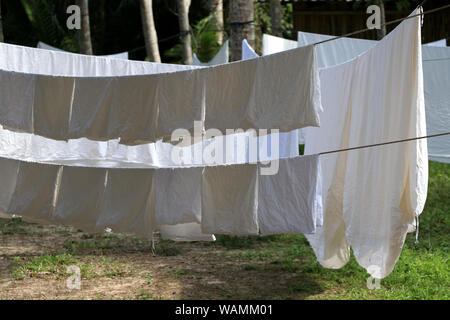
column 436, row 69
column 105, row 108
column 372, row 195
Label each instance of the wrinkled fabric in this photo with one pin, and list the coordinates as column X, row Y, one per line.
column 127, row 204
column 290, row 201
column 372, row 195
column 122, row 55
column 247, row 51
column 249, row 98
column 220, row 58
column 230, row 200
column 178, row 196
column 436, row 69
column 288, row 141
column 79, row 197
column 438, row 43
column 272, row 44
column 98, row 106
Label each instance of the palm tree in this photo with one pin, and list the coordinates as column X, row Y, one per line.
column 275, row 17
column 183, row 19
column 216, row 7
column 85, row 32
column 150, row 35
column 242, row 27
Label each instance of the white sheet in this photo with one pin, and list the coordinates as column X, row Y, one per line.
column 272, row 44
column 290, row 201
column 220, row 58
column 178, row 196
column 373, row 194
column 247, row 51
column 97, row 107
column 436, row 69
column 438, row 43
column 230, row 200
column 127, row 204
column 122, row 55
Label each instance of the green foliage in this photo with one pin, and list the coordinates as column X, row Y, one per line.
column 203, row 41
column 46, row 26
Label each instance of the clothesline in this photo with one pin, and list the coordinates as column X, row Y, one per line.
column 385, row 143
column 384, row 24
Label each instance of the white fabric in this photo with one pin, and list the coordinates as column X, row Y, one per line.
column 104, row 108
column 34, row 192
column 436, row 69
column 230, row 200
column 178, row 196
column 273, row 44
column 220, row 58
column 79, row 197
column 290, row 201
column 247, row 51
column 288, row 141
column 128, row 203
column 122, row 55
column 438, row 43
column 373, row 194
column 250, row 98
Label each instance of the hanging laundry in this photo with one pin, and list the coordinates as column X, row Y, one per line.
column 246, row 103
column 436, row 69
column 288, row 141
column 249, row 98
column 229, row 200
column 79, row 197
column 220, row 58
column 34, row 192
column 438, row 43
column 290, row 201
column 372, row 195
column 127, row 204
column 178, row 196
column 272, row 44
column 122, row 55
column 247, row 51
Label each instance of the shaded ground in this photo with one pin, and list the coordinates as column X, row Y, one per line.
column 34, row 261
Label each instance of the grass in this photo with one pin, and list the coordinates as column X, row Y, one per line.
column 271, row 267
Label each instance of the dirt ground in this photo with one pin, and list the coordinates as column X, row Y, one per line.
column 34, row 260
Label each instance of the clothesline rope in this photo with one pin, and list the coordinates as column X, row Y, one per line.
column 385, row 143
column 384, row 24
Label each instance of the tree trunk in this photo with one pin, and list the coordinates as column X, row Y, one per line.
column 148, row 26
column 85, row 33
column 275, row 17
column 183, row 20
column 216, row 6
column 382, row 31
column 2, row 39
column 242, row 27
